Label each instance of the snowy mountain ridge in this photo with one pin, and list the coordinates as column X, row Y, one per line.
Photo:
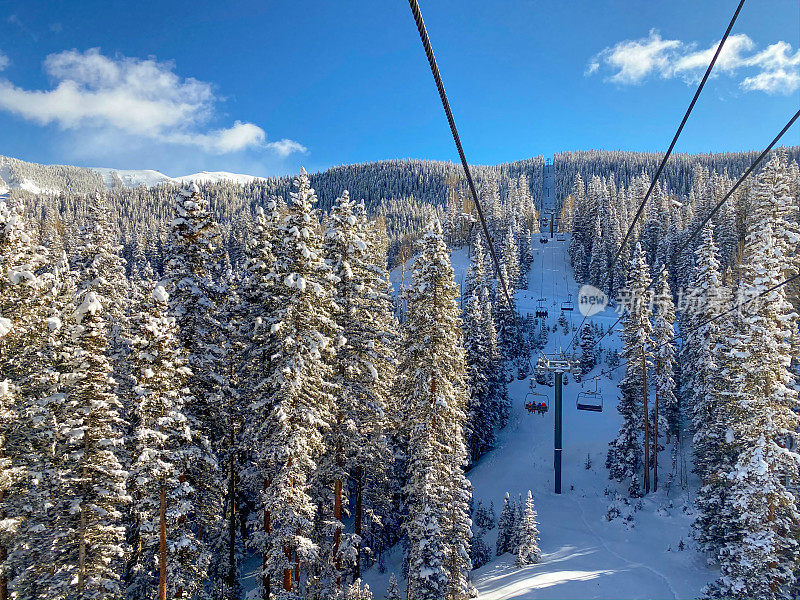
column 54, row 179
column 151, row 178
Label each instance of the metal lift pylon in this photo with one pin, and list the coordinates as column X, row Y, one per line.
column 559, row 364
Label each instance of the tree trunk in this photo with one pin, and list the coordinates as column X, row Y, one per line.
column 3, row 555
column 359, row 518
column 646, row 425
column 337, row 535
column 162, row 543
column 265, row 582
column 655, row 440
column 82, row 531
column 337, row 508
column 230, row 582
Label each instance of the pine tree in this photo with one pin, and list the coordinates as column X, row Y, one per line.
column 511, row 257
column 588, row 357
column 21, row 333
column 287, row 417
column 433, row 381
column 664, row 344
column 365, row 366
column 89, row 515
column 393, row 591
column 167, row 448
column 482, row 519
column 480, row 412
column 195, row 285
column 497, row 379
column 760, row 558
column 528, row 552
column 32, row 503
column 709, row 418
column 505, row 527
column 479, row 553
column 625, row 452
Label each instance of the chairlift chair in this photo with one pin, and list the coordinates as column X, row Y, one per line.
column 590, row 400
column 534, row 399
column 561, row 238
column 541, row 311
column 568, row 305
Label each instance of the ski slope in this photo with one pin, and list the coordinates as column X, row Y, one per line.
column 583, row 555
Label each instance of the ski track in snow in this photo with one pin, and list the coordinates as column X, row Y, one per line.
column 610, row 551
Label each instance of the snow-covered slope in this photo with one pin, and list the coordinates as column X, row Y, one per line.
column 132, row 177
column 217, row 176
column 53, row 179
column 584, row 555
column 149, row 178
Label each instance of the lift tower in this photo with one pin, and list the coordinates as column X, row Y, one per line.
column 559, row 364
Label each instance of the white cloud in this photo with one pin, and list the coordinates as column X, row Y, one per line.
column 4, row 61
column 730, row 57
column 634, row 60
column 141, row 97
column 775, row 70
column 592, row 67
column 772, row 82
column 286, row 147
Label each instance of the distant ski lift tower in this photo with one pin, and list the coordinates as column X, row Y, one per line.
column 559, row 364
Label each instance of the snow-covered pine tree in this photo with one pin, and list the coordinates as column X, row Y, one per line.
column 87, row 560
column 287, row 417
column 709, row 419
column 664, row 344
column 588, row 356
column 625, row 452
column 22, row 310
column 433, row 382
column 528, row 552
column 505, row 527
column 480, row 413
column 33, row 501
column 499, row 402
column 476, row 278
column 169, row 552
column 760, row 559
column 393, row 591
column 357, row 452
column 195, row 285
column 511, row 257
column 258, row 301
column 110, row 281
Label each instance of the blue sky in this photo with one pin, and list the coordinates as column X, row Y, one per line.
column 264, row 87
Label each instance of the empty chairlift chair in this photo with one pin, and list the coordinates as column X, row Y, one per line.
column 568, row 304
column 590, row 400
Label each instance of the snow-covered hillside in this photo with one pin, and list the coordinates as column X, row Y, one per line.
column 54, row 179
column 584, row 554
column 149, row 178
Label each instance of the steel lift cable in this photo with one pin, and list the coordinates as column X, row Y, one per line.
column 426, row 43
column 677, row 134
column 671, row 147
column 684, row 335
column 738, row 183
column 700, row 226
